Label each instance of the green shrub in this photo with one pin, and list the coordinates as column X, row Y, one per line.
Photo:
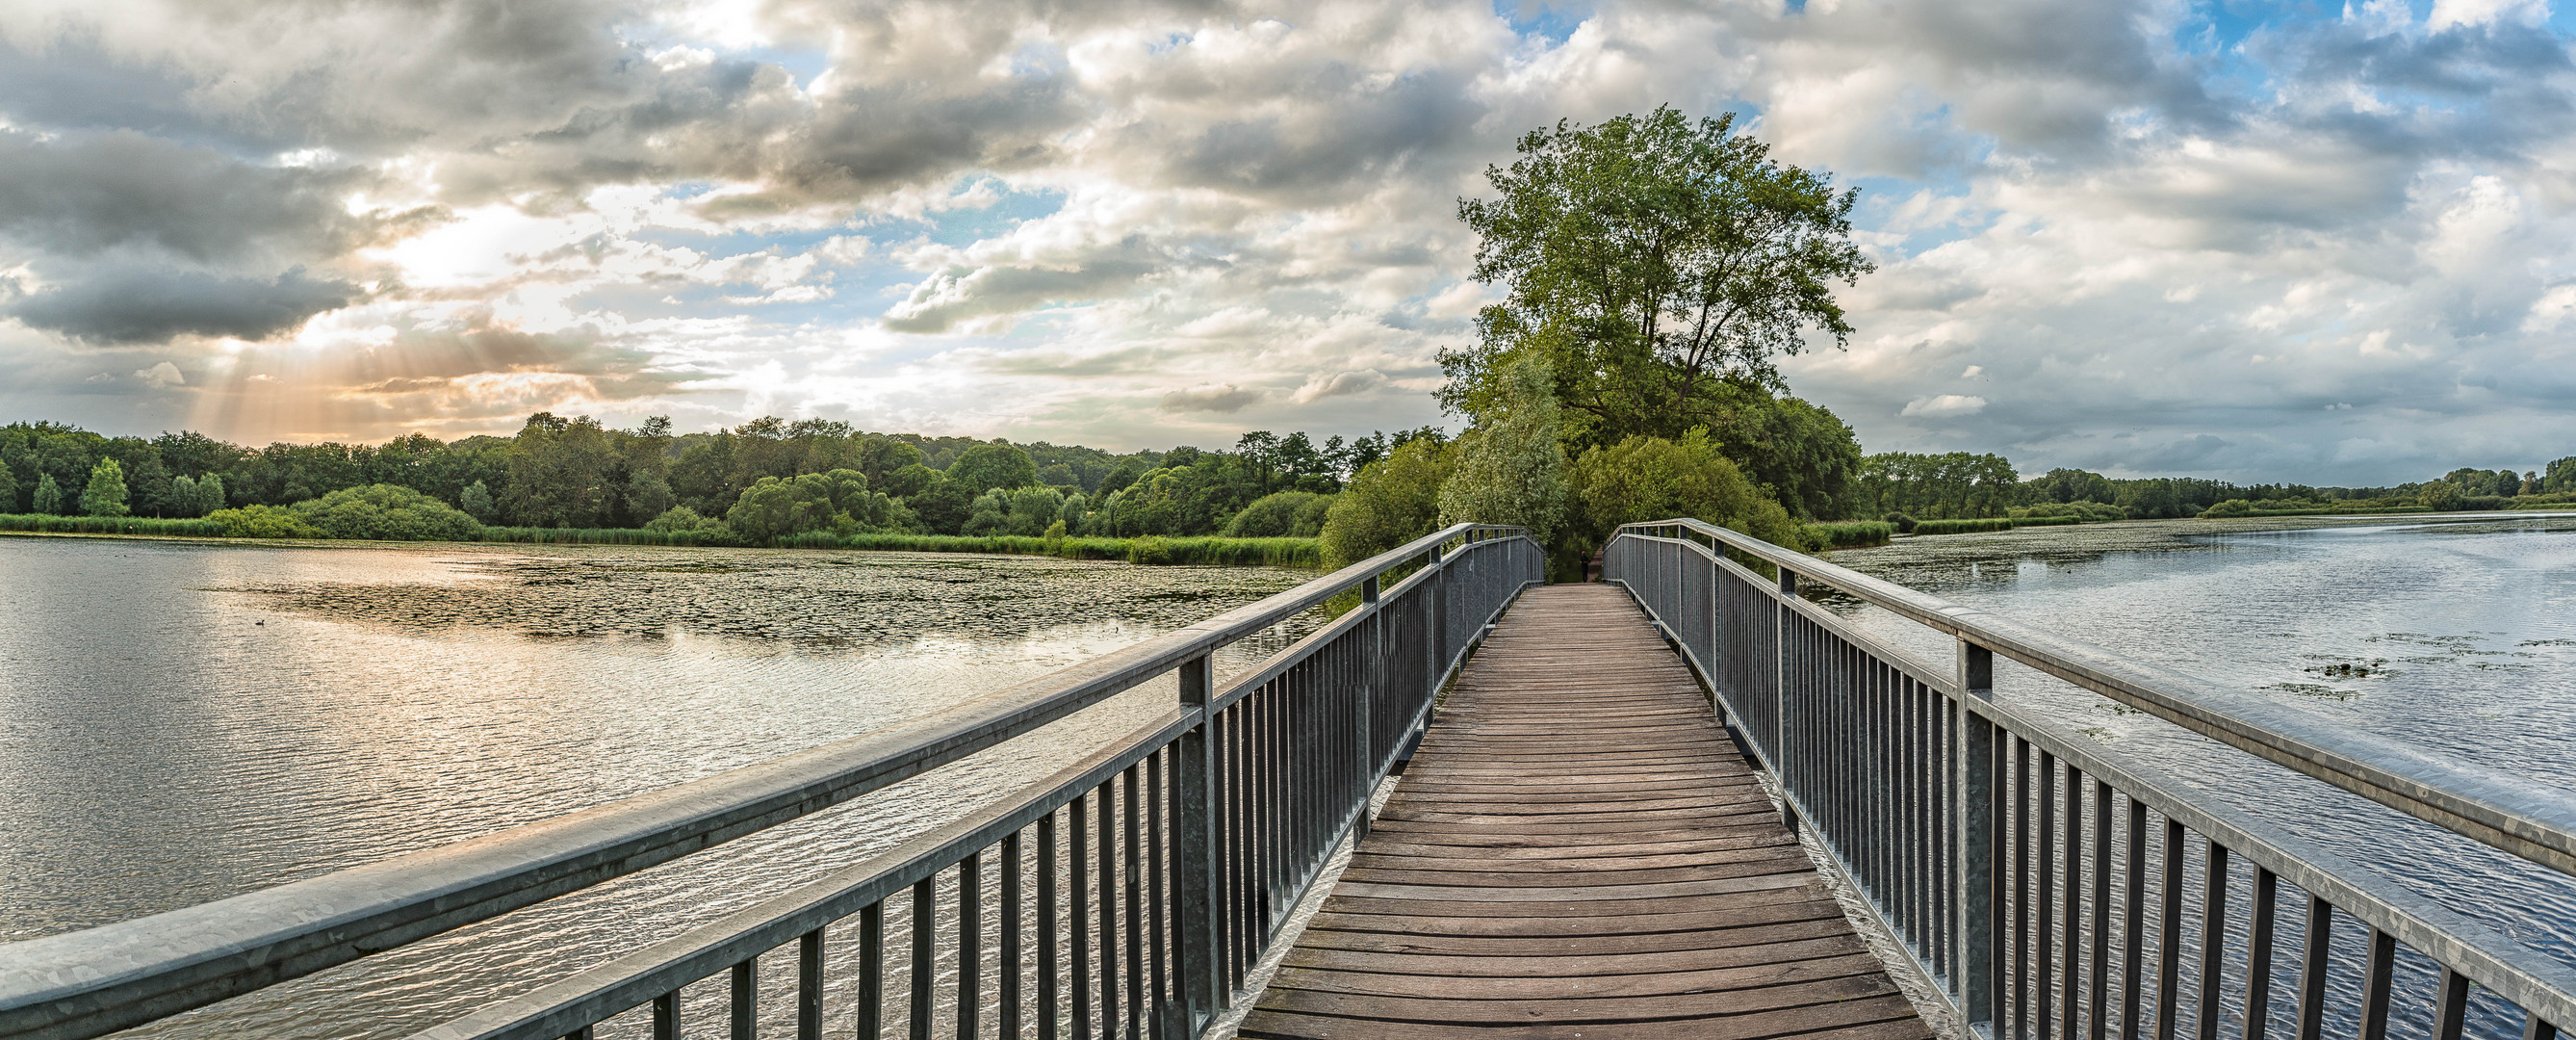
column 1152, row 548
column 258, row 521
column 1930, row 527
column 1286, row 514
column 1650, row 478
column 387, row 512
column 1904, row 524
column 1388, row 503
column 2045, row 521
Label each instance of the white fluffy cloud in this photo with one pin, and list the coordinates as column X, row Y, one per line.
column 2133, row 236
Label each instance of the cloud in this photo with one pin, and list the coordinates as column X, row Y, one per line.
column 150, row 305
column 1944, row 406
column 1340, row 384
column 161, row 376
column 1223, row 400
column 2105, row 231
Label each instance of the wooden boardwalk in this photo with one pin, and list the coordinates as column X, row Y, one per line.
column 1579, row 852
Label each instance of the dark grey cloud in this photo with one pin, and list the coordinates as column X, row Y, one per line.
column 125, row 305
column 943, row 301
column 80, row 195
column 1222, row 400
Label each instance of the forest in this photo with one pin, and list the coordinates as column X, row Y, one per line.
column 763, row 482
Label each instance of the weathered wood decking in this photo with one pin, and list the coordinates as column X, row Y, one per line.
column 1578, row 851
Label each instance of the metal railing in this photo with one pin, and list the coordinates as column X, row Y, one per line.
column 1161, row 866
column 1994, row 844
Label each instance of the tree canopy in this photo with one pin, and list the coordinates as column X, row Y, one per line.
column 1652, row 262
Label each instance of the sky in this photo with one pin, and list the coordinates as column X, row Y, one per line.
column 2290, row 241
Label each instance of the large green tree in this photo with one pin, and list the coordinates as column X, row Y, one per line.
column 1652, row 262
column 105, row 493
column 985, row 467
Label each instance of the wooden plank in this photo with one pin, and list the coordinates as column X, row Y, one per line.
column 1879, row 1018
column 1579, row 850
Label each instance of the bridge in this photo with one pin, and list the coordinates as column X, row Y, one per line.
column 1689, row 801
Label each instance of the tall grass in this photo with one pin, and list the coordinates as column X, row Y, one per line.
column 2046, row 521
column 50, row 524
column 2000, row 523
column 1845, row 534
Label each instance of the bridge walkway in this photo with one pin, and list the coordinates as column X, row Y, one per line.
column 1579, row 851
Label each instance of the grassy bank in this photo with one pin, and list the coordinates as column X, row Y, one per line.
column 1254, row 552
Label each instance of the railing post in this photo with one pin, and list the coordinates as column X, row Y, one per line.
column 1981, row 838
column 1780, row 696
column 1204, row 992
column 1438, row 637
column 1372, row 668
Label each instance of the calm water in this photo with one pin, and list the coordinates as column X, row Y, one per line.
column 2458, row 636
column 180, row 723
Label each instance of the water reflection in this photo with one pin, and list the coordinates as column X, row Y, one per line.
column 180, row 723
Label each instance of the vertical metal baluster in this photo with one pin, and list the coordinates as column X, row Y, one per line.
column 2133, row 910
column 1156, row 853
column 666, row 1016
column 970, row 943
column 2213, row 935
column 1048, row 1013
column 2073, row 937
column 1981, row 854
column 2045, row 917
column 746, row 1011
column 1198, row 871
column 1232, row 824
column 2169, row 933
column 2450, row 1005
column 809, row 985
column 2375, row 978
column 1131, row 878
column 2313, row 961
column 1108, row 871
column 925, row 953
column 1078, row 856
column 1011, row 949
column 2021, row 863
column 2098, row 988
column 871, row 1017
column 2258, row 954
column 2535, row 1027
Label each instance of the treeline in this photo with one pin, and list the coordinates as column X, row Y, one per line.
column 764, row 482
column 1960, row 485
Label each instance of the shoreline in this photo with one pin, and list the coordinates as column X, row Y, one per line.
column 1146, row 550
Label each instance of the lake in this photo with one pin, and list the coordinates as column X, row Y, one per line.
column 183, row 722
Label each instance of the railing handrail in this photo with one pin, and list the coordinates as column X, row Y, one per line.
column 557, row 1008
column 118, row 975
column 2530, row 820
column 1847, row 722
